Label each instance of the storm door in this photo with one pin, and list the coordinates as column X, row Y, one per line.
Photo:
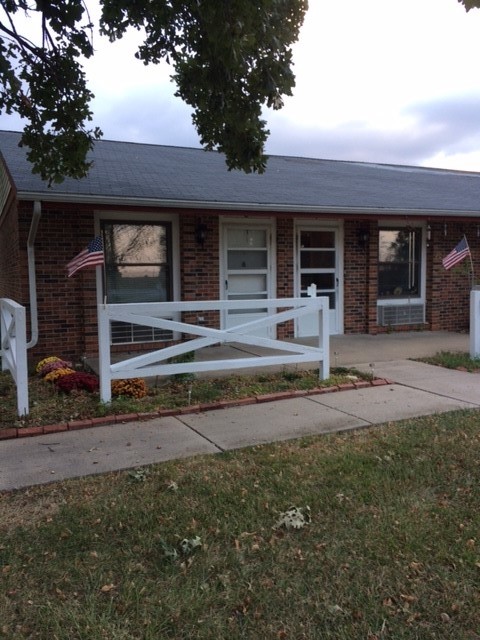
column 247, row 271
column 318, row 262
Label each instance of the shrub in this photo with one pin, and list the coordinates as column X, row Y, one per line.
column 45, row 361
column 77, row 381
column 57, row 373
column 53, row 366
column 135, row 388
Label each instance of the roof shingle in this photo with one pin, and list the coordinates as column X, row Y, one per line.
column 187, row 177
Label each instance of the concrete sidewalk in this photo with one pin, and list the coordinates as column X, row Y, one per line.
column 420, row 389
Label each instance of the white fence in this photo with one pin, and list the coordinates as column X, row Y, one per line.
column 475, row 323
column 162, row 315
column 13, row 332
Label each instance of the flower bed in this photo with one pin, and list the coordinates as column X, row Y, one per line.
column 66, row 379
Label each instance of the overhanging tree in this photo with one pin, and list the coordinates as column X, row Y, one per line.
column 229, row 59
column 470, row 4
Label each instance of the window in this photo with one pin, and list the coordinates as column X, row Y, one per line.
column 399, row 268
column 138, row 268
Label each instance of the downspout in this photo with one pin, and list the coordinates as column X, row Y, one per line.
column 32, row 280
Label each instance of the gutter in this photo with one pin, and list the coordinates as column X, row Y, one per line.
column 254, row 207
column 32, row 280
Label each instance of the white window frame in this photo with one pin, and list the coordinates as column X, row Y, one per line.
column 139, row 217
column 406, row 300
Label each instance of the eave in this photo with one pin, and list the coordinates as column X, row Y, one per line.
column 121, row 201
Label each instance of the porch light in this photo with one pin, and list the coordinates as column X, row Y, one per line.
column 200, row 233
column 363, row 237
column 429, row 233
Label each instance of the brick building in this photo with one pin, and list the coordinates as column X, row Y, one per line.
column 177, row 225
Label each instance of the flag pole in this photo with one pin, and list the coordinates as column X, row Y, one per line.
column 471, row 262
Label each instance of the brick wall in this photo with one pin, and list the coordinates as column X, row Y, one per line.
column 285, row 270
column 200, row 275
column 12, row 284
column 67, row 306
column 357, row 273
column 449, row 291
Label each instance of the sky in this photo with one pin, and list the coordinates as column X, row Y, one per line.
column 387, row 81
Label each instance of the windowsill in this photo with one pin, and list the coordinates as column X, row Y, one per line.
column 399, row 301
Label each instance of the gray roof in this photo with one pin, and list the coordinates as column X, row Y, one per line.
column 131, row 173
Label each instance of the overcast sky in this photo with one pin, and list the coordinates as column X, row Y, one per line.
column 390, row 81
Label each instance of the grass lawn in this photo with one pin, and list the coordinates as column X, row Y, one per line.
column 198, row 548
column 454, row 360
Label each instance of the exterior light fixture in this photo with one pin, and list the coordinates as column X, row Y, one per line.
column 200, row 233
column 363, row 237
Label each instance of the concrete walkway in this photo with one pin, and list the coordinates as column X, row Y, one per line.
column 419, row 389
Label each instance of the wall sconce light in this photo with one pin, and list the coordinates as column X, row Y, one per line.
column 200, row 233
column 363, row 237
column 429, row 232
column 445, row 230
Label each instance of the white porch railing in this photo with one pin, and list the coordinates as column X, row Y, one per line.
column 159, row 315
column 13, row 332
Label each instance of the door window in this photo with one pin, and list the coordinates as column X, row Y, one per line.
column 318, row 263
column 247, row 269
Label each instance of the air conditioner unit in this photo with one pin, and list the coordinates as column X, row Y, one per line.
column 397, row 314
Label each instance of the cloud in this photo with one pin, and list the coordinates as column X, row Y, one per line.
column 150, row 115
column 454, row 121
column 441, row 132
column 423, row 132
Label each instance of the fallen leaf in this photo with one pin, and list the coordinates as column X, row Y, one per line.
column 407, row 598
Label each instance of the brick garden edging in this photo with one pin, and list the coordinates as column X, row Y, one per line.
column 74, row 425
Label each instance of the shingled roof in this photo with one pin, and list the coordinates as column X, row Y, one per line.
column 131, row 173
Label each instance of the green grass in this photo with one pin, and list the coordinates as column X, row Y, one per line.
column 392, row 550
column 48, row 406
column 453, row 360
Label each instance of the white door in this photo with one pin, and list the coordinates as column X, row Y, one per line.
column 318, row 263
column 247, row 268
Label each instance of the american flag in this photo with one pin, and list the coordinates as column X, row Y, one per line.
column 461, row 251
column 92, row 256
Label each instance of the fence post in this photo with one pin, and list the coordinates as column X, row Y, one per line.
column 324, row 338
column 323, row 332
column 475, row 323
column 104, row 353
column 14, row 349
column 21, row 358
